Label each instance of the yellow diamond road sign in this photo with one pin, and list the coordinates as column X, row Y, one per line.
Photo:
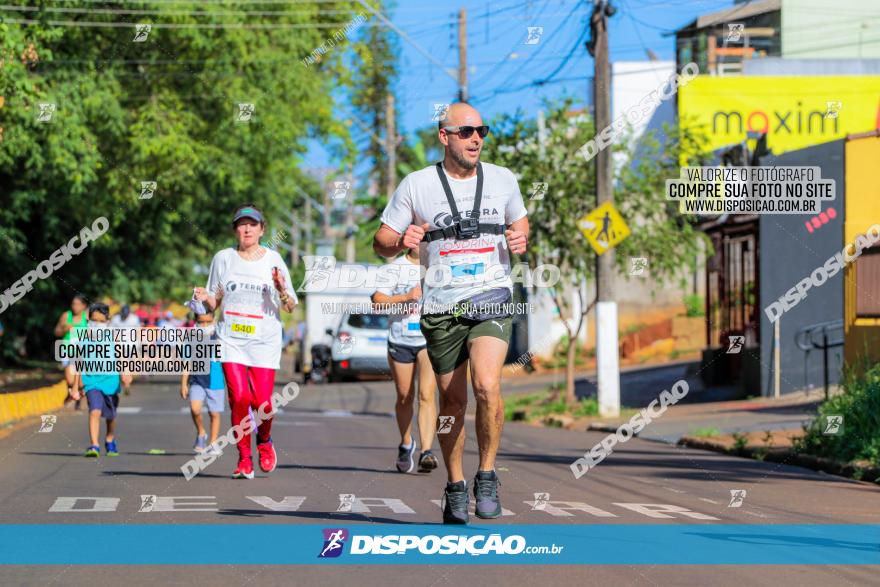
column 604, row 227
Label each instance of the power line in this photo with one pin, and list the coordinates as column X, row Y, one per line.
column 409, row 40
column 548, row 79
column 568, row 17
column 495, row 71
column 228, row 25
column 159, row 12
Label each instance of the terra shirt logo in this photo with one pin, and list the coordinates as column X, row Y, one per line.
column 334, row 540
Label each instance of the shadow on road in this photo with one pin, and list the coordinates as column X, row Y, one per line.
column 176, row 473
column 337, row 468
column 743, row 470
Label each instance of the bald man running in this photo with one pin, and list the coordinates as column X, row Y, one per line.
column 466, row 218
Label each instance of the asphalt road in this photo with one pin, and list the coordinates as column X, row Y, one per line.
column 341, row 439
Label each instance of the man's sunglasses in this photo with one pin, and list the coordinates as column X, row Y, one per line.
column 465, row 132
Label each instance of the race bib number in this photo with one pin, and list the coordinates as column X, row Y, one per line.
column 411, row 326
column 244, row 326
column 466, row 268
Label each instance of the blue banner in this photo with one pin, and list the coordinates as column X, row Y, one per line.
column 545, row 544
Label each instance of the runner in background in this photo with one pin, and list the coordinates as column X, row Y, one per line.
column 102, row 392
column 205, row 389
column 408, row 360
column 251, row 285
column 125, row 319
column 74, row 318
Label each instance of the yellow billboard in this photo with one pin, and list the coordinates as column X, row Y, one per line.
column 794, row 111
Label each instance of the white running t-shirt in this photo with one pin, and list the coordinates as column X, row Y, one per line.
column 469, row 266
column 249, row 327
column 403, row 327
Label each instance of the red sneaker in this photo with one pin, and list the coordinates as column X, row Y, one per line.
column 268, row 458
column 244, row 470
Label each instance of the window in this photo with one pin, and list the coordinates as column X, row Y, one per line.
column 373, row 321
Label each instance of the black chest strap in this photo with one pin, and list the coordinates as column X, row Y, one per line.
column 450, row 231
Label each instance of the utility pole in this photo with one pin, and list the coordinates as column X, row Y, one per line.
column 607, row 357
column 294, row 240
column 542, row 134
column 307, row 245
column 349, row 219
column 390, row 146
column 326, row 232
column 462, row 56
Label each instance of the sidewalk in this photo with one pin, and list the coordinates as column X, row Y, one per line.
column 787, row 414
column 639, row 384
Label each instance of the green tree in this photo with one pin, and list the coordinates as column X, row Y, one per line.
column 658, row 231
column 166, row 110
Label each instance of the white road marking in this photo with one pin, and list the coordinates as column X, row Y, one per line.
column 674, row 490
column 659, row 510
column 364, row 505
column 559, row 508
column 184, row 503
column 67, row 505
column 336, row 413
column 290, row 503
column 129, row 410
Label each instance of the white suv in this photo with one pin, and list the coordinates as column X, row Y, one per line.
column 360, row 346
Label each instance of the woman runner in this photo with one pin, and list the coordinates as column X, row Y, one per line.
column 251, row 285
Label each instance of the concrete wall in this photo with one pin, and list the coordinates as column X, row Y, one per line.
column 23, row 404
column 633, row 80
column 789, row 252
column 821, row 29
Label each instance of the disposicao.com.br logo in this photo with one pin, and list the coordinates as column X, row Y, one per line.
column 430, row 544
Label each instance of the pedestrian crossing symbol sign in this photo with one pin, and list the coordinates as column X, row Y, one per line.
column 604, row 227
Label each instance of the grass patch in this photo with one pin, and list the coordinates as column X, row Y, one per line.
column 518, row 403
column 538, row 406
column 857, row 437
column 704, row 432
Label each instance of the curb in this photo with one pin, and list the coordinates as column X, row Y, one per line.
column 23, row 404
column 787, row 456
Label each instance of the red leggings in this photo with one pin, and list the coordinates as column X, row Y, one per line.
column 249, row 387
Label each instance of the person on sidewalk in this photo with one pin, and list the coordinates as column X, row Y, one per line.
column 466, row 318
column 408, row 360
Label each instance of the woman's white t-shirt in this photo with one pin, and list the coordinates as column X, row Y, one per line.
column 249, row 327
column 403, row 326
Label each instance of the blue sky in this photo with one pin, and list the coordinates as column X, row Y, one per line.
column 502, row 68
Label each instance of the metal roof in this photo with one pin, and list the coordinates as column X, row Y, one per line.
column 733, row 13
